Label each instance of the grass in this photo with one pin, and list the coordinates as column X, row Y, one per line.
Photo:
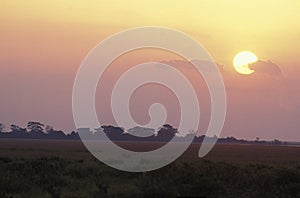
column 41, row 168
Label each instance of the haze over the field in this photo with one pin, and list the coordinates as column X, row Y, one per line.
column 43, row 44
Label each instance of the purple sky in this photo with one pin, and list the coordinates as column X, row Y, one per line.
column 264, row 104
column 41, row 50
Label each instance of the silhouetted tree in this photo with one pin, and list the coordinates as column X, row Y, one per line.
column 141, row 131
column 99, row 130
column 17, row 132
column 166, row 133
column 167, row 130
column 114, row 133
column 54, row 134
column 17, row 129
column 2, row 128
column 73, row 135
column 35, row 127
column 108, row 129
column 276, row 142
column 49, row 129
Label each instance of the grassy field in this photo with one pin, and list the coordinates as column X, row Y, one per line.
column 41, row 168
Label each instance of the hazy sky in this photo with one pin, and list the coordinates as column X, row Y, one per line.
column 42, row 44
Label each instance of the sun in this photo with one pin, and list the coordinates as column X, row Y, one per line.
column 242, row 60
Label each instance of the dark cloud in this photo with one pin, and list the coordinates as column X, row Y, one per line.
column 266, row 67
column 260, row 67
column 204, row 65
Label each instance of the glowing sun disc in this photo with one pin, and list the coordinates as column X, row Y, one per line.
column 242, row 60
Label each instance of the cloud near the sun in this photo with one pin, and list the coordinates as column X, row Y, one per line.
column 266, row 67
column 203, row 65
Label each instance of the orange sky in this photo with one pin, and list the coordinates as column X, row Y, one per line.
column 43, row 44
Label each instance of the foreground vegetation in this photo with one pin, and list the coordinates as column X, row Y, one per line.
column 66, row 169
column 57, row 177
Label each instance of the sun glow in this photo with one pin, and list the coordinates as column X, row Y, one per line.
column 242, row 60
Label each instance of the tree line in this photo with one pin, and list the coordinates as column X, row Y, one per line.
column 37, row 130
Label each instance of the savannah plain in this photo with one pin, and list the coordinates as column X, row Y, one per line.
column 64, row 168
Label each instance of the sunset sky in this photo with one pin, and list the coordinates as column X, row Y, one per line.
column 42, row 44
